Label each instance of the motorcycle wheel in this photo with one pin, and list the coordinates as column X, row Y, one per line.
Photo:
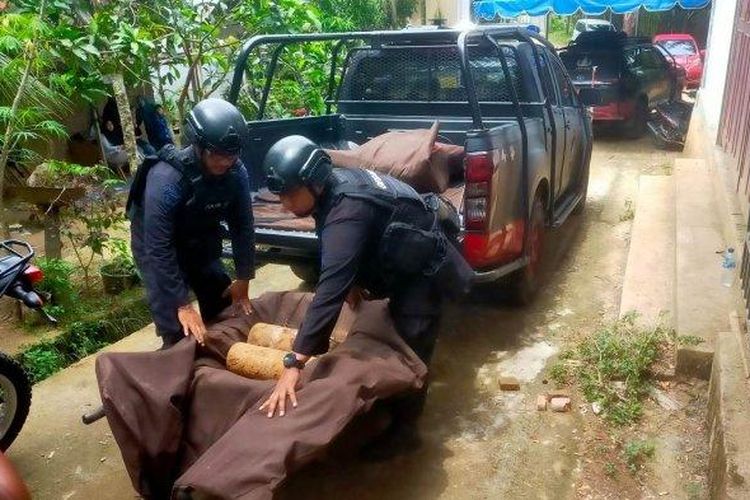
column 15, row 399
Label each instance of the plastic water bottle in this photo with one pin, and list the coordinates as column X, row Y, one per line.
column 727, row 267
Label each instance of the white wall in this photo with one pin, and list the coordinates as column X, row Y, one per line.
column 718, row 46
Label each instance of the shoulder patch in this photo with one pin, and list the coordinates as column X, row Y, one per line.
column 170, row 196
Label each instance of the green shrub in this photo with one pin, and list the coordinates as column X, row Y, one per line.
column 636, row 453
column 613, row 367
column 42, row 360
column 83, row 338
column 58, row 284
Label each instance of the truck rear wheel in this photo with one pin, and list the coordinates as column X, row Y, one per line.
column 306, row 272
column 526, row 281
column 635, row 126
column 584, row 192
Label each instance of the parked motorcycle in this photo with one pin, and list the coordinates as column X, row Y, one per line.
column 17, row 279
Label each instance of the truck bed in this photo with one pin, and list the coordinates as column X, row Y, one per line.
column 269, row 214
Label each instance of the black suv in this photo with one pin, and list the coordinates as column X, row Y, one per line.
column 631, row 74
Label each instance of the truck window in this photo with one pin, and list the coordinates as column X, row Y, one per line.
column 651, row 59
column 582, row 64
column 567, row 94
column 545, row 74
column 679, row 47
column 429, row 74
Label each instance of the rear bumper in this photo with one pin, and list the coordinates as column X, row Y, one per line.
column 614, row 111
column 297, row 247
column 495, row 274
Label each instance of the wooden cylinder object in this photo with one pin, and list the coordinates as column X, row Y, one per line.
column 256, row 362
column 273, row 336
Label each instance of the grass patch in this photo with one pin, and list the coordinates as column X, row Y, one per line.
column 688, row 340
column 629, row 213
column 636, row 453
column 613, row 365
column 123, row 315
column 694, row 491
column 559, row 372
column 610, row 469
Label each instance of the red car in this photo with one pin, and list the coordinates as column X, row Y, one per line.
column 686, row 54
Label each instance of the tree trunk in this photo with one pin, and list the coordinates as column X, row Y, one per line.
column 394, row 13
column 9, row 129
column 98, row 128
column 126, row 118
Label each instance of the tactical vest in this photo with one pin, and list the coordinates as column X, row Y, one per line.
column 411, row 242
column 204, row 203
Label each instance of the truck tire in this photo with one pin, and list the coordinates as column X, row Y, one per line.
column 578, row 210
column 635, row 127
column 15, row 399
column 526, row 281
column 306, row 272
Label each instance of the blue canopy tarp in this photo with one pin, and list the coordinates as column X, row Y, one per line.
column 490, row 9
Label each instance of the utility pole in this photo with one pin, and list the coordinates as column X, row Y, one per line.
column 637, row 15
column 464, row 11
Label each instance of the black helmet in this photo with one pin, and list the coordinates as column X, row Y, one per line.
column 216, row 125
column 295, row 161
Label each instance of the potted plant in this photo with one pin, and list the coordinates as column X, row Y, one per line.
column 119, row 273
column 89, row 223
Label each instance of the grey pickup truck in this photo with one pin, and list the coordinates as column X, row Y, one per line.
column 499, row 91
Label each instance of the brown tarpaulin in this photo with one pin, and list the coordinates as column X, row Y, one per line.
column 180, row 418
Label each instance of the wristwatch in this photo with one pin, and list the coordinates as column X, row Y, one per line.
column 290, row 361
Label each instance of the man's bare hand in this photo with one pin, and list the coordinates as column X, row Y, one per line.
column 192, row 323
column 239, row 291
column 285, row 387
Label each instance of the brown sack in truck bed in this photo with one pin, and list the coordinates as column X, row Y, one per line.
column 410, row 156
column 181, row 418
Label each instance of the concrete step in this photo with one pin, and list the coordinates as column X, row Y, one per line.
column 648, row 286
column 728, row 423
column 701, row 301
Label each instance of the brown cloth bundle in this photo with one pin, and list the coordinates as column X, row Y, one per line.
column 182, row 420
column 411, row 156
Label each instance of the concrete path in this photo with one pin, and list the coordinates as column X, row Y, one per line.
column 648, row 286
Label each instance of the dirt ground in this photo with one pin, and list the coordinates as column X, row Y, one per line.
column 479, row 442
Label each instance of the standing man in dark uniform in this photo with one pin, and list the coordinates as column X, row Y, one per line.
column 376, row 234
column 176, row 205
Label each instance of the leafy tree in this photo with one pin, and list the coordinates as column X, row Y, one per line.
column 27, row 101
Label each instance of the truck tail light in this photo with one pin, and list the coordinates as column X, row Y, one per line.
column 477, row 194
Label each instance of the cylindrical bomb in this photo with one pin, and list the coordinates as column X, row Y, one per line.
column 273, row 336
column 256, row 362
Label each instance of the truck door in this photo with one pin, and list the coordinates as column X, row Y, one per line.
column 573, row 129
column 558, row 115
column 650, row 71
column 665, row 75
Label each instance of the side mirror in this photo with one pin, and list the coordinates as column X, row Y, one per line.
column 590, row 96
column 703, row 54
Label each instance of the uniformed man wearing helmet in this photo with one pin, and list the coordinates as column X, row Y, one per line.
column 176, row 206
column 376, row 235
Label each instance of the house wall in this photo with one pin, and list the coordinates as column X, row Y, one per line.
column 718, row 47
